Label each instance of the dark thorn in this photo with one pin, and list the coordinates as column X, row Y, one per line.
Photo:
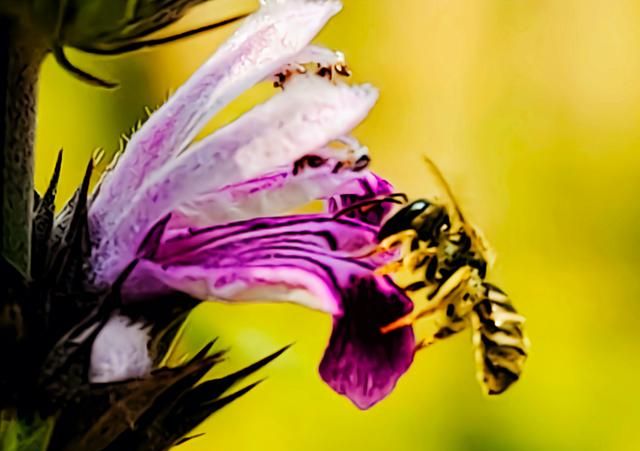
column 120, row 281
column 151, row 241
column 204, row 351
column 186, row 439
column 259, row 364
column 53, row 184
column 220, row 403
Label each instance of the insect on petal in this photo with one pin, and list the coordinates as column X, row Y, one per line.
column 265, row 41
column 305, row 260
column 310, row 113
column 319, row 175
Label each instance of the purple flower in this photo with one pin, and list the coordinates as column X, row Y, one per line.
column 207, row 218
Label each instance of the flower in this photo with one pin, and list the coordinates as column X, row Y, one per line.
column 207, row 218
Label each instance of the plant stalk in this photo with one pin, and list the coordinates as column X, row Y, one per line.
column 21, row 54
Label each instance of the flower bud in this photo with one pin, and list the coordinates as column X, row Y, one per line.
column 106, row 27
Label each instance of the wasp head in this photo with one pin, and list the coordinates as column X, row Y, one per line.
column 428, row 219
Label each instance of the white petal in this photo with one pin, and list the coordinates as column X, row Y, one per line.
column 266, row 41
column 278, row 192
column 310, row 113
column 120, row 351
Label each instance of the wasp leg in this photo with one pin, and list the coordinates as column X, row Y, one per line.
column 449, row 290
column 404, row 239
column 61, row 58
column 60, row 17
column 389, row 268
column 418, row 257
column 410, row 257
column 456, row 316
column 451, row 327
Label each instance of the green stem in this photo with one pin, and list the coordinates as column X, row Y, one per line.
column 20, row 57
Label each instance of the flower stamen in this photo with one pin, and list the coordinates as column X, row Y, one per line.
column 321, row 61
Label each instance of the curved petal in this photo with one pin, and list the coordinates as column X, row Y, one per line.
column 370, row 186
column 360, row 362
column 182, row 248
column 303, row 259
column 265, row 41
column 319, row 176
column 319, row 230
column 310, row 113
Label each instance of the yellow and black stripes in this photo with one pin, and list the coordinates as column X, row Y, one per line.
column 499, row 341
column 446, row 266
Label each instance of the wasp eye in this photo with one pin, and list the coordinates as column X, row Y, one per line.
column 403, row 219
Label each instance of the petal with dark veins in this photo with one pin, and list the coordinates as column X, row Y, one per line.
column 360, row 362
column 307, row 260
column 370, row 186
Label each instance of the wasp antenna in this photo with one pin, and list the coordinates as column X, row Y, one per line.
column 63, row 61
column 391, row 198
column 140, row 45
column 435, row 171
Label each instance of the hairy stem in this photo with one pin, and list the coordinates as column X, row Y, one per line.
column 20, row 56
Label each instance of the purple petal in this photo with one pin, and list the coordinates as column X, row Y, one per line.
column 369, row 186
column 190, row 259
column 308, row 260
column 360, row 362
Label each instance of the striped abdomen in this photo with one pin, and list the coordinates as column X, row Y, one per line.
column 500, row 344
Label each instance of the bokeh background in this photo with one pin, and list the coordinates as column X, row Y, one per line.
column 532, row 110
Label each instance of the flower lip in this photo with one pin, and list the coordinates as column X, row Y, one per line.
column 361, row 362
column 306, row 260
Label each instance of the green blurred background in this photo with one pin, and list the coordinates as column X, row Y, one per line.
column 531, row 108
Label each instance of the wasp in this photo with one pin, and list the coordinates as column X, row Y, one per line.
column 448, row 259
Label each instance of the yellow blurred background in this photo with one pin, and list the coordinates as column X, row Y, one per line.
column 532, row 110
